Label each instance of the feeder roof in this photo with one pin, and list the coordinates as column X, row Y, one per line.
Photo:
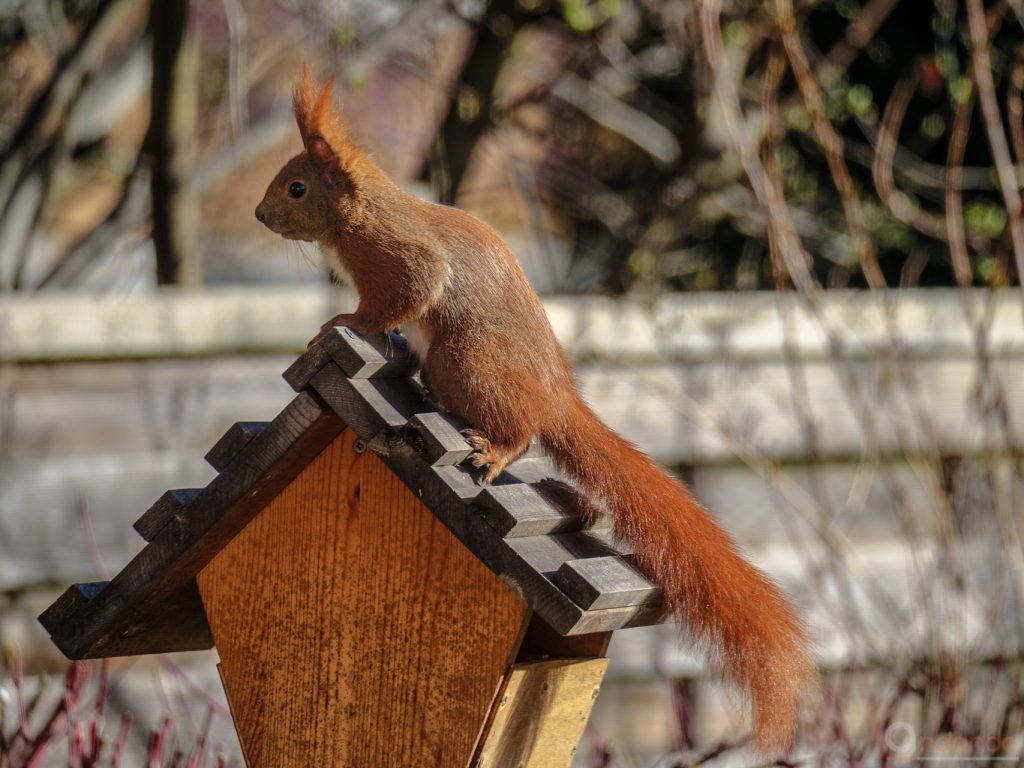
column 525, row 527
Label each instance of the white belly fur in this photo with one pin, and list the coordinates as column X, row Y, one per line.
column 416, row 338
column 336, row 265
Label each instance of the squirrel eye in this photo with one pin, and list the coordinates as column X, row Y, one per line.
column 296, row 189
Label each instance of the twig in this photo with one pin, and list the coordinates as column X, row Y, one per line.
column 45, row 114
column 858, row 34
column 831, row 143
column 1015, row 110
column 981, row 68
column 895, row 201
column 956, row 234
column 615, row 115
column 467, row 114
column 194, row 687
column 91, row 544
column 782, row 237
column 238, row 89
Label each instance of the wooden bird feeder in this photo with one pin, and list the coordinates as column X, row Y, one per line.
column 372, row 604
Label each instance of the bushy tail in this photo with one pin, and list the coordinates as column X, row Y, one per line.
column 723, row 601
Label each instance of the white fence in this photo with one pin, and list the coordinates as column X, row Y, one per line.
column 843, row 446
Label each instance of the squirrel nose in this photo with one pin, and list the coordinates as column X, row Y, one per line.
column 259, row 213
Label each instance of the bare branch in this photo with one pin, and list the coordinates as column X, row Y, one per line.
column 981, row 69
column 895, row 201
column 831, row 143
column 959, row 132
column 1015, row 110
column 859, row 33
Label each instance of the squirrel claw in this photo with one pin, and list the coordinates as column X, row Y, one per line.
column 482, row 456
column 330, row 325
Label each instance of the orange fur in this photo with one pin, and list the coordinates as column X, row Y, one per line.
column 493, row 360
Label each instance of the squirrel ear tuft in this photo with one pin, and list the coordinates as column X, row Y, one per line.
column 312, row 104
column 324, row 133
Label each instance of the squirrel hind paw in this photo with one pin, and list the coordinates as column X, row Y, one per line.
column 484, row 456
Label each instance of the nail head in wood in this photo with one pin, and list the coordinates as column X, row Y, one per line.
column 239, row 435
column 606, row 582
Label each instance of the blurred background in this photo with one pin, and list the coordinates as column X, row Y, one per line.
column 782, row 243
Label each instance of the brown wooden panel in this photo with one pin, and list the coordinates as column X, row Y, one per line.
column 541, row 713
column 542, row 641
column 353, row 628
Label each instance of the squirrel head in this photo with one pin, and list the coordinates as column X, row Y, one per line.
column 317, row 191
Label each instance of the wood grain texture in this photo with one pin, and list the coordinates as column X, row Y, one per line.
column 353, row 628
column 152, row 605
column 305, row 367
column 606, row 582
column 541, row 641
column 541, row 713
column 523, row 510
column 166, row 508
column 370, row 406
column 233, row 441
column 525, row 563
column 440, row 438
column 65, row 606
column 384, row 355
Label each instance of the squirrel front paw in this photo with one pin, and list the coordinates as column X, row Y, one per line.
column 346, row 318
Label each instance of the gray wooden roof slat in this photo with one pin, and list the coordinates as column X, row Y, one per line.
column 610, row 619
column 447, row 491
column 385, row 355
column 442, row 440
column 70, row 600
column 523, row 510
column 232, row 442
column 533, row 468
column 153, row 605
column 459, row 480
column 546, row 554
column 164, row 509
column 307, row 365
column 382, row 356
column 370, row 406
column 606, row 582
column 348, row 399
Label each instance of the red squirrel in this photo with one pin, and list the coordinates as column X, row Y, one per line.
column 489, row 356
